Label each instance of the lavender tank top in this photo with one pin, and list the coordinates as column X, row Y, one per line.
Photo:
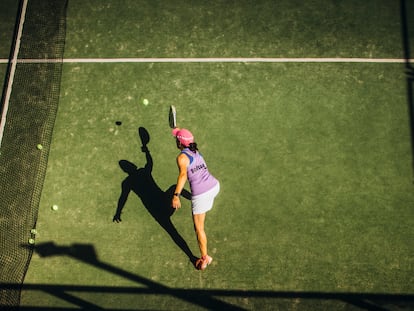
column 199, row 177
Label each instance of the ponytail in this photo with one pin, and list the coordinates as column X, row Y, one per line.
column 193, row 147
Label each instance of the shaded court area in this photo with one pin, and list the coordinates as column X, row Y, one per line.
column 407, row 33
column 148, row 295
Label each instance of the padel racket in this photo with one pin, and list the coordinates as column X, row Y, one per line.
column 144, row 135
column 172, row 117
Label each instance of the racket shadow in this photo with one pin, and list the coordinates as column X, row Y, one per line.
column 157, row 202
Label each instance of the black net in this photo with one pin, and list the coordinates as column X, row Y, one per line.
column 30, row 119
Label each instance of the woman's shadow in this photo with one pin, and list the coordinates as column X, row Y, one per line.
column 156, row 201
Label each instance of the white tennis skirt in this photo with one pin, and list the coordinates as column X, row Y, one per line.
column 202, row 203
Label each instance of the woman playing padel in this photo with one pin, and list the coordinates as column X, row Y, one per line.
column 204, row 188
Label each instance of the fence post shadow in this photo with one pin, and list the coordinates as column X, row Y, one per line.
column 86, row 253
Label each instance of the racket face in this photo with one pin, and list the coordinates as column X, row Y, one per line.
column 144, row 135
column 172, row 117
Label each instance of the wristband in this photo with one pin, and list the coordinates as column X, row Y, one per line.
column 177, row 194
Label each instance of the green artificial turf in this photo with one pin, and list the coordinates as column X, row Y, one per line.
column 314, row 159
column 3, row 68
column 8, row 11
column 234, row 29
column 315, row 171
column 7, row 16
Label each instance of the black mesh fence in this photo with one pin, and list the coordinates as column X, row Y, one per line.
column 30, row 119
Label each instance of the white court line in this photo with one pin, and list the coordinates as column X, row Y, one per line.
column 216, row 60
column 12, row 71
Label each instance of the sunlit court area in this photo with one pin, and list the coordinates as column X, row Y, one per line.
column 303, row 110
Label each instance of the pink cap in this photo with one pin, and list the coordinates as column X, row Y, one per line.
column 184, row 136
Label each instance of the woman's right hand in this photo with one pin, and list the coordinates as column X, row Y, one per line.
column 176, row 203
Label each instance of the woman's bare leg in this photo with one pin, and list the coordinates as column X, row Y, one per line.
column 201, row 234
